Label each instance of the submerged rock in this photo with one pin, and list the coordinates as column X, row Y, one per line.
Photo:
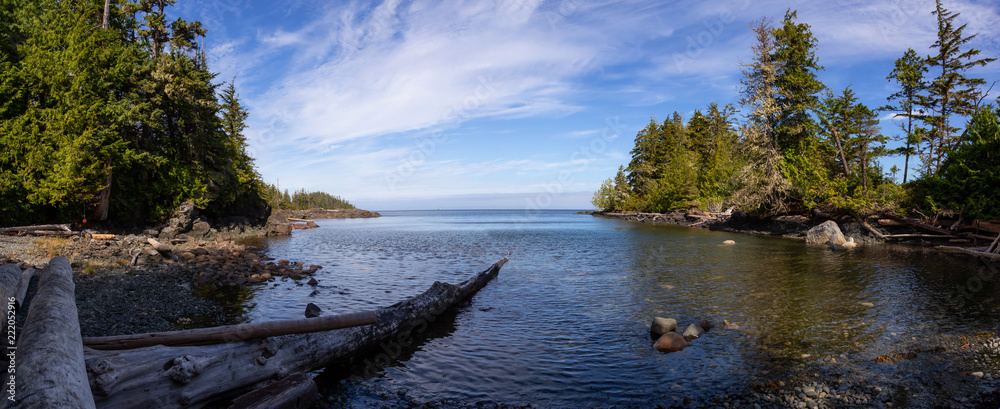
column 705, row 325
column 693, row 331
column 729, row 242
column 826, row 232
column 670, row 342
column 662, row 326
column 729, row 325
column 312, row 310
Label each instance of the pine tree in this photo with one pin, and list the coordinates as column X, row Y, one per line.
column 951, row 92
column 909, row 76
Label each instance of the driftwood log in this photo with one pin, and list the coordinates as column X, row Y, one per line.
column 162, row 248
column 54, row 227
column 227, row 333
column 296, row 391
column 10, row 281
column 50, row 371
column 22, row 287
column 178, row 377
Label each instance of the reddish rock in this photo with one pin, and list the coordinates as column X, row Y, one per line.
column 670, row 342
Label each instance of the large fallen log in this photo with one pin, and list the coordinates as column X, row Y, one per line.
column 22, row 287
column 62, row 227
column 10, row 279
column 934, row 228
column 296, row 391
column 227, row 333
column 178, row 377
column 50, row 371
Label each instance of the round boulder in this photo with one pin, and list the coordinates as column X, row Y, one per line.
column 729, row 243
column 662, row 326
column 670, row 342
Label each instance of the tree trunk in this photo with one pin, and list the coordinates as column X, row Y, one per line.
column 840, row 150
column 104, row 202
column 51, row 372
column 177, row 377
column 230, row 333
column 107, row 11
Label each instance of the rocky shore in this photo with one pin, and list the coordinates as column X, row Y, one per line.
column 795, row 226
column 200, row 277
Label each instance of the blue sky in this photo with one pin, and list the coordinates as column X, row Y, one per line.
column 515, row 104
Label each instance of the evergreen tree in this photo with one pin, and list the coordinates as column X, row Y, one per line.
column 909, row 76
column 761, row 183
column 970, row 175
column 647, row 154
column 951, row 92
column 795, row 58
column 852, row 130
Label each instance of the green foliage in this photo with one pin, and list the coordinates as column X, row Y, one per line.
column 132, row 106
column 302, row 200
column 909, row 76
column 796, row 150
column 951, row 92
column 795, row 57
column 675, row 165
column 969, row 178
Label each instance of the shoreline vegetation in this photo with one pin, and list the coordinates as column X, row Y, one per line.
column 803, row 148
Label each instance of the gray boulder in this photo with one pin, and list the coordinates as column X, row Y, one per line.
column 662, row 326
column 693, row 331
column 824, row 233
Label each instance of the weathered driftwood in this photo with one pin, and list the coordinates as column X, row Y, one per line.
column 296, row 391
column 228, row 333
column 10, row 278
column 979, row 252
column 51, row 372
column 176, row 377
column 872, row 229
column 919, row 236
column 890, row 222
column 97, row 236
column 50, row 232
column 995, row 246
column 296, row 219
column 934, row 228
column 63, row 227
column 22, row 287
column 162, row 248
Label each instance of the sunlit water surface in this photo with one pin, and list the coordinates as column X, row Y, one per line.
column 566, row 322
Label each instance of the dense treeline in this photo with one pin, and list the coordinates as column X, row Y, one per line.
column 114, row 116
column 302, row 200
column 108, row 111
column 802, row 145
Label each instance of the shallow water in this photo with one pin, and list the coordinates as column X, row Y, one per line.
column 566, row 323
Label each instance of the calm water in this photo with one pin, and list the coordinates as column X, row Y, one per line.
column 566, row 323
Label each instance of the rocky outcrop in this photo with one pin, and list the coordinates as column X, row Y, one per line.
column 826, row 233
